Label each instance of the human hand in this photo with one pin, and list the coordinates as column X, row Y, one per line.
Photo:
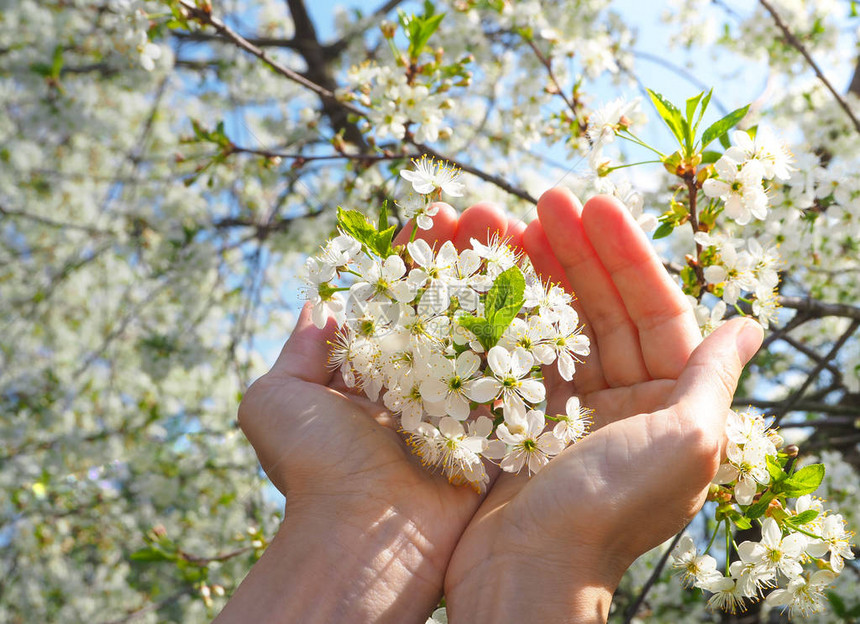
column 368, row 532
column 553, row 547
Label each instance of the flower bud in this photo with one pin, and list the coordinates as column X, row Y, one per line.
column 713, row 492
column 157, row 532
column 388, row 29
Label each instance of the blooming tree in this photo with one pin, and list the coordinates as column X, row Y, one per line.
column 168, row 167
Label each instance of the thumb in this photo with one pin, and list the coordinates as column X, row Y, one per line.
column 305, row 355
column 711, row 375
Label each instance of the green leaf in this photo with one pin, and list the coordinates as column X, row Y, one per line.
column 802, row 518
column 504, row 301
column 689, row 126
column 382, row 244
column 804, row 481
column 382, row 224
column 356, row 224
column 670, row 114
column 502, row 319
column 724, row 141
column 704, row 107
column 479, row 326
column 722, row 126
column 671, row 162
column 429, row 25
column 150, row 554
column 742, row 523
column 757, row 509
column 419, row 29
column 57, row 62
column 710, row 157
column 53, row 69
column 663, row 231
column 507, row 291
column 692, row 103
column 470, row 322
column 777, row 474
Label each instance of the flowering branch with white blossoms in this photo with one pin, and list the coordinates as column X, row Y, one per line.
column 754, row 485
column 716, row 193
column 409, row 100
column 452, row 341
column 719, row 194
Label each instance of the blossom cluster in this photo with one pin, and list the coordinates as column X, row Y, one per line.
column 392, row 103
column 451, row 341
column 738, row 269
column 753, row 486
column 135, row 32
column 743, row 170
column 743, row 175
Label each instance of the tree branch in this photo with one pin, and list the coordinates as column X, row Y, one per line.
column 502, row 184
column 240, row 42
column 794, row 42
column 854, row 87
column 633, row 609
column 153, row 606
column 206, row 18
column 800, row 406
column 818, row 309
column 319, row 72
column 791, row 401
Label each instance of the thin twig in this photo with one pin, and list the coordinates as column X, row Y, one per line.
column 811, row 354
column 237, row 39
column 63, row 225
column 826, row 423
column 819, row 308
column 311, row 157
column 655, row 574
column 223, row 557
column 791, row 401
column 800, row 406
column 153, row 606
column 502, row 184
column 547, row 63
column 794, row 42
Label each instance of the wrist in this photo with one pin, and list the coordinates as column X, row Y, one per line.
column 540, row 585
column 330, row 565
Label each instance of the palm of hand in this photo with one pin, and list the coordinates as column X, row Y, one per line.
column 642, row 333
column 323, row 445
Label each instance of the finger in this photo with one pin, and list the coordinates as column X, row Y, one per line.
column 482, row 221
column 514, row 234
column 709, row 380
column 305, row 354
column 589, row 375
column 668, row 331
column 616, row 337
column 444, row 227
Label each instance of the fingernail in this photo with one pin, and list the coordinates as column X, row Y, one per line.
column 749, row 338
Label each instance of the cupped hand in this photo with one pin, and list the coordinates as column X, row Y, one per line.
column 553, row 547
column 348, row 478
